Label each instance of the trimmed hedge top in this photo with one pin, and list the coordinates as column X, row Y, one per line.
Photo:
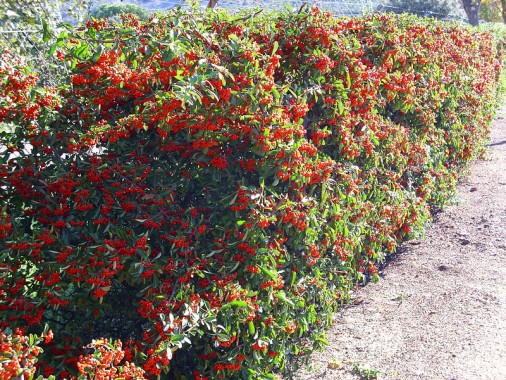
column 206, row 189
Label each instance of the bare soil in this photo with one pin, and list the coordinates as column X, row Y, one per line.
column 439, row 311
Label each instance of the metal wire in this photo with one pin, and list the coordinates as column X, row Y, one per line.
column 18, row 31
column 339, row 8
column 451, row 16
column 336, row 7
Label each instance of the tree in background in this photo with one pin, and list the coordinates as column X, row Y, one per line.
column 490, row 11
column 493, row 10
column 114, row 10
column 425, row 8
column 472, row 8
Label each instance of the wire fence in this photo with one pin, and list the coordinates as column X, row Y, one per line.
column 19, row 31
column 457, row 14
column 339, row 8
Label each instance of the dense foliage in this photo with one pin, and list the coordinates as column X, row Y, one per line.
column 498, row 31
column 206, row 189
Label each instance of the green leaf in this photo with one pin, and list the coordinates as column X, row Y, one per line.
column 275, row 47
column 282, row 297
column 46, row 33
column 235, row 303
column 271, row 274
column 275, row 93
column 251, row 328
column 340, row 106
column 81, row 52
column 98, row 53
column 53, row 48
column 177, row 338
column 294, row 276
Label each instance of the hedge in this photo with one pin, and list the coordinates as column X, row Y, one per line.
column 205, row 189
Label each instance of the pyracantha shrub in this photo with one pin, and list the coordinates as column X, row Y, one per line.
column 18, row 353
column 205, row 189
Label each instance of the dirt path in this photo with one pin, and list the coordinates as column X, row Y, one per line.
column 439, row 311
